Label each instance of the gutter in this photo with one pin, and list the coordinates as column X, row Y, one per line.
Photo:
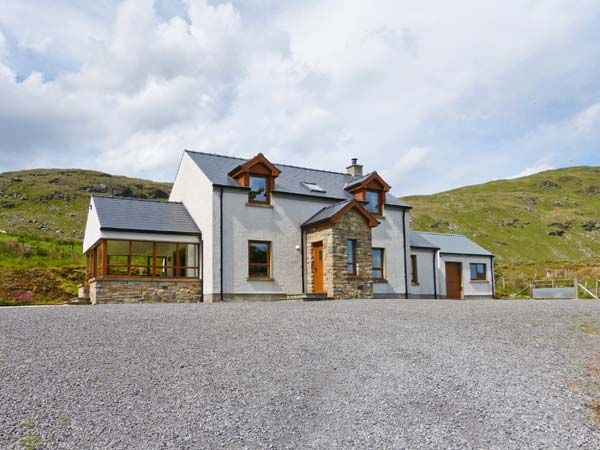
column 493, row 277
column 303, row 256
column 435, row 293
column 134, row 230
column 202, row 271
column 221, row 242
column 404, row 244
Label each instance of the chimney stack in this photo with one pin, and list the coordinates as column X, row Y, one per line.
column 355, row 169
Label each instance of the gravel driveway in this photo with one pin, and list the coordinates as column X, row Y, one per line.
column 378, row 374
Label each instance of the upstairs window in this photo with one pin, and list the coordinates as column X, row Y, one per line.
column 258, row 174
column 351, row 252
column 259, row 189
column 370, row 189
column 373, row 199
column 478, row 272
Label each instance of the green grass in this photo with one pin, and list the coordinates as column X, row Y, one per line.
column 589, row 328
column 25, row 252
column 27, row 425
column 514, row 219
column 31, row 442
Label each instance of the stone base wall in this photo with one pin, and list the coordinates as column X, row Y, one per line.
column 214, row 298
column 144, row 291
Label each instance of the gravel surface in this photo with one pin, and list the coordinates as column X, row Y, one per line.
column 375, row 374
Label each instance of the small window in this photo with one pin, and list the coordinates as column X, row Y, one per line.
column 259, row 259
column 377, row 257
column 351, row 252
column 313, row 187
column 478, row 272
column 259, row 189
column 415, row 269
column 373, row 202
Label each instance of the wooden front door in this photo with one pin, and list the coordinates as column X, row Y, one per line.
column 454, row 280
column 317, row 267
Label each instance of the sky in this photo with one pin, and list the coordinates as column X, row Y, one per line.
column 433, row 94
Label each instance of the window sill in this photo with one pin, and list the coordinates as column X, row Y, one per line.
column 259, row 205
column 379, row 280
column 351, row 276
column 480, row 281
column 415, row 284
column 259, row 279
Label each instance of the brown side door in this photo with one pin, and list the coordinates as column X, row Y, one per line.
column 454, row 280
column 317, row 267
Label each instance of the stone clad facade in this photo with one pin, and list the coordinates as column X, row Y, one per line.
column 337, row 282
column 116, row 290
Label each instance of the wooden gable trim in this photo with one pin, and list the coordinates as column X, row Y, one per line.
column 374, row 182
column 361, row 210
column 258, row 165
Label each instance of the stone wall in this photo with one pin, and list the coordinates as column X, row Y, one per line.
column 337, row 282
column 119, row 290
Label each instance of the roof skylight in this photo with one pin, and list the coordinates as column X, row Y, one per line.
column 313, row 187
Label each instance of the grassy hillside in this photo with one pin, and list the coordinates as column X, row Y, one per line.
column 550, row 216
column 52, row 203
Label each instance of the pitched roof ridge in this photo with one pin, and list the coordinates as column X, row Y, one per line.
column 216, row 154
column 112, row 197
column 276, row 164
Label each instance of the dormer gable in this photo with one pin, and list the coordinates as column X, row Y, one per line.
column 370, row 188
column 259, row 174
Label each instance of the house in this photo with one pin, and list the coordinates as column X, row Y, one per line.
column 449, row 266
column 248, row 229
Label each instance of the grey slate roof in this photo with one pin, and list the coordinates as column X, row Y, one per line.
column 326, row 213
column 143, row 215
column 417, row 240
column 454, row 243
column 217, row 168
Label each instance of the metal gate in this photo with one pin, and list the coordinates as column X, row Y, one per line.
column 554, row 289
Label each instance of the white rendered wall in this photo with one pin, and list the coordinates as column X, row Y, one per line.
column 92, row 227
column 195, row 191
column 279, row 224
column 425, row 267
column 470, row 288
column 389, row 235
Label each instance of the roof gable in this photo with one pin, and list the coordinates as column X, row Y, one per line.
column 370, row 181
column 259, row 164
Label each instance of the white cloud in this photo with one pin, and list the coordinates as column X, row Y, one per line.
column 588, row 120
column 463, row 92
column 533, row 170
